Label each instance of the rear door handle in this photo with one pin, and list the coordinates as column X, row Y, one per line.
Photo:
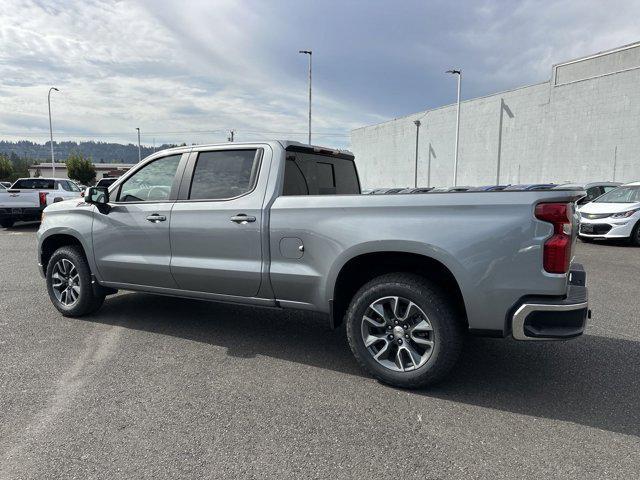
column 155, row 218
column 242, row 218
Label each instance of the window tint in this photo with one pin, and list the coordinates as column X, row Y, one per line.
column 65, row 185
column 151, row 183
column 608, row 188
column 223, row 174
column 322, row 175
column 74, row 187
column 294, row 181
column 326, row 178
column 629, row 194
column 34, row 184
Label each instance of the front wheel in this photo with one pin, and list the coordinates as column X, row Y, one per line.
column 69, row 283
column 635, row 235
column 403, row 330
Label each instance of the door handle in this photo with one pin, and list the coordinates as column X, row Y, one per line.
column 242, row 219
column 155, row 218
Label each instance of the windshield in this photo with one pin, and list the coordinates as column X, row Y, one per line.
column 621, row 195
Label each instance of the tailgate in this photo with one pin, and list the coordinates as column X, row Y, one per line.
column 19, row 199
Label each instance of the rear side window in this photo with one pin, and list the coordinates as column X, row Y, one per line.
column 314, row 174
column 34, row 184
column 224, row 174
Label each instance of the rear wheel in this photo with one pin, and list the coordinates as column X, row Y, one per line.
column 8, row 223
column 69, row 283
column 403, row 330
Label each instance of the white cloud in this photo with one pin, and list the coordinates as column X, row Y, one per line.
column 174, row 66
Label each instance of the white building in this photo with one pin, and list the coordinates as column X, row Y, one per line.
column 102, row 170
column 581, row 125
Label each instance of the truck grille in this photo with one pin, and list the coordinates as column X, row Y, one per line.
column 594, row 229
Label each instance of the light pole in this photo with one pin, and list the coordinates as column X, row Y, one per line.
column 53, row 161
column 309, row 52
column 417, row 123
column 139, row 156
column 455, row 161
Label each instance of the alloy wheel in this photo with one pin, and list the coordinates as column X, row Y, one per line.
column 65, row 281
column 397, row 333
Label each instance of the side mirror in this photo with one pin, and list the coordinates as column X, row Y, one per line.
column 97, row 195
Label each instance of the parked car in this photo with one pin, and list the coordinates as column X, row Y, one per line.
column 449, row 189
column 488, row 188
column 106, row 182
column 417, row 190
column 27, row 197
column 593, row 190
column 281, row 224
column 531, row 186
column 387, row 191
column 616, row 214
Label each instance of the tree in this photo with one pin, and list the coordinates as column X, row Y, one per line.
column 80, row 168
column 6, row 168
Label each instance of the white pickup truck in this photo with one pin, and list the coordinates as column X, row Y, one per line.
column 27, row 197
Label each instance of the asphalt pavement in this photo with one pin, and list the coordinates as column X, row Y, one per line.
column 158, row 387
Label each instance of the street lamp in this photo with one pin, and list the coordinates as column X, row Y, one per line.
column 455, row 161
column 53, row 161
column 139, row 157
column 417, row 123
column 308, row 52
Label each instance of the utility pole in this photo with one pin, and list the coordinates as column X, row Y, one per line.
column 139, row 155
column 309, row 52
column 455, row 161
column 417, row 123
column 231, row 136
column 53, row 160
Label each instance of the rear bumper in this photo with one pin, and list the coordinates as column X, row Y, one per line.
column 554, row 319
column 30, row 213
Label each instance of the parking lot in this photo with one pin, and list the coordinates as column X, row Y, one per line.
column 155, row 387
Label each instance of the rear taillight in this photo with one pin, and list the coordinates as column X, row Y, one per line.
column 43, row 198
column 557, row 249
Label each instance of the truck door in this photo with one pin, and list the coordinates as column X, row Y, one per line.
column 217, row 222
column 131, row 238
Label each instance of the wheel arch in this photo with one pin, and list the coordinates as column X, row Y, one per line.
column 364, row 266
column 54, row 240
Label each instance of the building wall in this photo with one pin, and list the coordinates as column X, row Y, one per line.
column 582, row 125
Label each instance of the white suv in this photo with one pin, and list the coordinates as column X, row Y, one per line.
column 615, row 214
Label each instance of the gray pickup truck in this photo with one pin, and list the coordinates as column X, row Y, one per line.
column 282, row 224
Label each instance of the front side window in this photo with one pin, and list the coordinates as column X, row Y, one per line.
column 74, row 187
column 152, row 183
column 65, row 185
column 224, row 174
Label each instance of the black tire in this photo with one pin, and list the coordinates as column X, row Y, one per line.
column 8, row 223
column 87, row 301
column 635, row 235
column 447, row 331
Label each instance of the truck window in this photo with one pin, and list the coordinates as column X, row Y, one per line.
column 34, row 184
column 320, row 175
column 152, row 182
column 294, row 181
column 224, row 174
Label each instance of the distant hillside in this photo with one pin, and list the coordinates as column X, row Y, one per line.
column 100, row 152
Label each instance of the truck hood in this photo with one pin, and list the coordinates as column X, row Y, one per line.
column 600, row 208
column 67, row 205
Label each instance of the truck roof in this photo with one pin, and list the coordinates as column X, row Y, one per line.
column 286, row 144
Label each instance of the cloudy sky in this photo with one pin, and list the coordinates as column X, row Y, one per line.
column 191, row 70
